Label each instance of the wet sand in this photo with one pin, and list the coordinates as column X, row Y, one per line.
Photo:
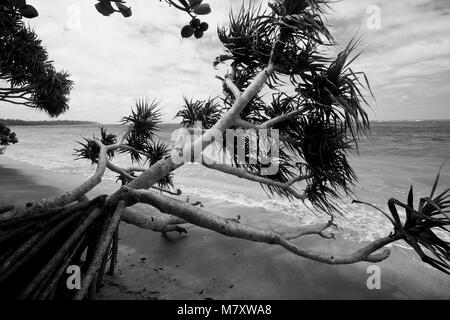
column 204, row 264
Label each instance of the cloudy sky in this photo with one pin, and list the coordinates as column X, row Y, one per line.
column 114, row 60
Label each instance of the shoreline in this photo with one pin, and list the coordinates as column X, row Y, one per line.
column 204, row 264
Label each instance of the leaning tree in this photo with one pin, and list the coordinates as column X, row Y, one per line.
column 284, row 92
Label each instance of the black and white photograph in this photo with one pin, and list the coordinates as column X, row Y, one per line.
column 245, row 152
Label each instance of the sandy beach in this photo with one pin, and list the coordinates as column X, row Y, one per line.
column 206, row 265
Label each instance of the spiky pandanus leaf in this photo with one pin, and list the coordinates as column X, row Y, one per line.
column 302, row 20
column 143, row 126
column 251, row 35
column 90, row 150
column 188, row 113
column 247, row 37
column 281, row 104
column 207, row 112
column 323, row 149
column 300, row 62
column 137, row 144
column 420, row 225
column 254, row 111
column 286, row 171
column 143, row 121
column 336, row 95
column 157, row 150
column 108, row 139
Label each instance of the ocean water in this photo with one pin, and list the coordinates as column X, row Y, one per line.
column 395, row 156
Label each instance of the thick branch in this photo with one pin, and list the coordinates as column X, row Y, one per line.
column 100, row 249
column 269, row 123
column 111, row 166
column 125, row 173
column 229, row 228
column 233, row 88
column 245, row 174
column 14, row 102
column 319, row 229
column 147, row 217
column 67, row 197
column 250, row 92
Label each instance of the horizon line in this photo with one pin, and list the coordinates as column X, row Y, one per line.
column 117, row 123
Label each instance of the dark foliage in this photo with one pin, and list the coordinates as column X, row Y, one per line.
column 7, row 137
column 25, row 66
column 327, row 91
column 156, row 151
column 335, row 93
column 90, row 150
column 207, row 112
column 324, row 149
column 247, row 37
column 143, row 121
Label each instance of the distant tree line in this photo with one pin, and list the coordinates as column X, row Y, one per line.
column 17, row 122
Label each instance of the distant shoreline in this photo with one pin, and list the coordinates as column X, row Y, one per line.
column 20, row 123
column 413, row 120
column 15, row 122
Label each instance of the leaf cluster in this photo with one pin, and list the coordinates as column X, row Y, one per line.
column 420, row 224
